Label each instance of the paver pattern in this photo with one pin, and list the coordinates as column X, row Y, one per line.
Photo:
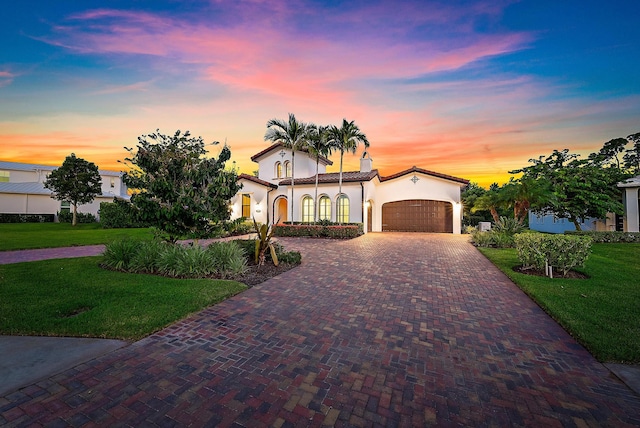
column 383, row 330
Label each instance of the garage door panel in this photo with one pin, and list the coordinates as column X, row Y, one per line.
column 417, row 215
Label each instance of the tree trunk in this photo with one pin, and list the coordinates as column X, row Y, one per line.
column 74, row 219
column 315, row 200
column 494, row 214
column 576, row 223
column 293, row 154
column 338, row 217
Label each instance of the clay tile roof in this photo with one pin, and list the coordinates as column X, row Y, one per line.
column 257, row 180
column 334, row 177
column 275, row 146
column 427, row 172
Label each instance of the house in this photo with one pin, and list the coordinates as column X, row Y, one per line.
column 629, row 222
column 22, row 190
column 414, row 200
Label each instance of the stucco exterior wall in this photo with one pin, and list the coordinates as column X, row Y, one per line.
column 259, row 204
column 304, row 166
column 426, row 187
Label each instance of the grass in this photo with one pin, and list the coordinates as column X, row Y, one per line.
column 21, row 236
column 602, row 312
column 75, row 297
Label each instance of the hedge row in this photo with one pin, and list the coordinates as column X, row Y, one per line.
column 318, row 231
column 609, row 237
column 118, row 214
column 563, row 252
column 26, row 218
column 67, row 217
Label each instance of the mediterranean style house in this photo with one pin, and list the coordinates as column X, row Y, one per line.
column 22, row 190
column 628, row 222
column 413, row 200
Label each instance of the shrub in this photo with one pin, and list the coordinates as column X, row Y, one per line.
column 26, row 218
column 147, row 256
column 229, row 258
column 119, row 214
column 348, row 231
column 67, row 217
column 609, row 237
column 508, row 225
column 563, row 252
column 192, row 261
column 119, row 254
column 492, row 238
column 290, row 257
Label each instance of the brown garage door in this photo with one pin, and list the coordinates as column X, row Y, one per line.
column 417, row 215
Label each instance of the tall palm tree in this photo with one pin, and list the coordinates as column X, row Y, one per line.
column 346, row 139
column 293, row 135
column 318, row 144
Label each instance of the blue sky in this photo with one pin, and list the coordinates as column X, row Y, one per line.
column 469, row 88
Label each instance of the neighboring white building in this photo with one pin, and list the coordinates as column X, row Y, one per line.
column 631, row 203
column 22, row 190
column 415, row 199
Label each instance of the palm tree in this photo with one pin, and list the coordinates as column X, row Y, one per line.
column 293, row 136
column 346, row 139
column 318, row 145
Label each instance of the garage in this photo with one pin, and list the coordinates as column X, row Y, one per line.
column 417, row 215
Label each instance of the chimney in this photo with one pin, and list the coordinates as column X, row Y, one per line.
column 365, row 162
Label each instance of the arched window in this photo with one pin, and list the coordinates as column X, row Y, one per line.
column 307, row 209
column 278, row 170
column 287, row 168
column 325, row 208
column 342, row 211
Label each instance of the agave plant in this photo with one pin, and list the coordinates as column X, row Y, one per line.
column 263, row 243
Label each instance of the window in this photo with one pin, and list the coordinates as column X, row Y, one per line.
column 113, row 182
column 4, row 176
column 307, row 209
column 325, row 208
column 278, row 170
column 246, row 205
column 287, row 169
column 65, row 207
column 342, row 211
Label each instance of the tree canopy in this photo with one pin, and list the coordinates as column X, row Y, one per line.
column 77, row 181
column 176, row 188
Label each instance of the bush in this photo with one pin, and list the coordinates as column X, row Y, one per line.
column 509, row 226
column 229, row 257
column 492, row 238
column 290, row 257
column 563, row 252
column 347, row 231
column 119, row 254
column 147, row 256
column 67, row 217
column 239, row 226
column 119, row 214
column 249, row 248
column 609, row 237
column 27, row 218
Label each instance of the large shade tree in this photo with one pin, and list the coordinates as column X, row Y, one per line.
column 347, row 138
column 319, row 146
column 578, row 188
column 176, row 188
column 77, row 181
column 293, row 135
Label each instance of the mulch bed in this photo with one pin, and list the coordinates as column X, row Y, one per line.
column 258, row 274
column 572, row 274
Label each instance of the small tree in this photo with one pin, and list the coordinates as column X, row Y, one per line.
column 77, row 181
column 178, row 190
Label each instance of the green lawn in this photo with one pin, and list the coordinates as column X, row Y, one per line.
column 75, row 297
column 20, row 236
column 602, row 312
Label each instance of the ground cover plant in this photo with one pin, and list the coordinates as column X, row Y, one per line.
column 603, row 311
column 21, row 236
column 75, row 297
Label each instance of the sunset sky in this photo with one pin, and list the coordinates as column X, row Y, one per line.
column 466, row 88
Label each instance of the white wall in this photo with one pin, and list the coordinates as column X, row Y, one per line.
column 305, row 166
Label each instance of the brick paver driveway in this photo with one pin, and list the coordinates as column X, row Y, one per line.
column 383, row 330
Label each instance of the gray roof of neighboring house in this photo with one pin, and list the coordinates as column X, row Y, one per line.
column 33, row 188
column 19, row 166
column 632, row 182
